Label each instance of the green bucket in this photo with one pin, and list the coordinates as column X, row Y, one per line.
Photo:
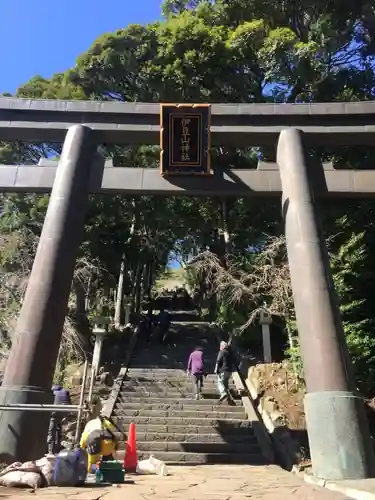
column 111, row 471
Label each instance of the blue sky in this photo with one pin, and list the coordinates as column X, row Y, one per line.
column 42, row 37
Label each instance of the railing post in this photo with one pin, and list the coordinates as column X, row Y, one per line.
column 265, row 321
column 339, row 437
column 31, row 365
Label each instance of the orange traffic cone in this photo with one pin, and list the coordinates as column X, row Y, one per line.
column 130, row 459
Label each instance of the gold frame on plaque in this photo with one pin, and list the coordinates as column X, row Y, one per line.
column 209, row 171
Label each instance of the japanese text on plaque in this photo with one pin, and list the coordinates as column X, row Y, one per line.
column 185, row 140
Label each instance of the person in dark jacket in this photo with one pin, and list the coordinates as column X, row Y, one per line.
column 224, row 367
column 61, row 397
column 195, row 368
column 163, row 322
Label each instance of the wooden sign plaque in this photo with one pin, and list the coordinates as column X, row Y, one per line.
column 185, row 143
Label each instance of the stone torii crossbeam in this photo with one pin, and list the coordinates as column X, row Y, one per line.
column 338, row 431
column 263, row 182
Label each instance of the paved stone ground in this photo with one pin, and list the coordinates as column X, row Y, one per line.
column 206, row 482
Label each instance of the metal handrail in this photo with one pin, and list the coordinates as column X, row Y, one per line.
column 42, row 407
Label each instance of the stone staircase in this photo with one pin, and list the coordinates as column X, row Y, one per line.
column 157, row 396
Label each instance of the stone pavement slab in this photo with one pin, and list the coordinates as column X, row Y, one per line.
column 359, row 489
column 206, row 482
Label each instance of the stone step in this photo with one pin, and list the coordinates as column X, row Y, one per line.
column 182, row 356
column 169, row 371
column 193, row 333
column 177, row 350
column 152, row 363
column 243, row 429
column 177, row 363
column 163, row 379
column 168, row 389
column 168, row 384
column 179, row 342
column 182, row 344
column 191, row 336
column 130, row 399
column 157, row 371
column 123, row 421
column 157, row 414
column 190, row 316
column 181, row 353
column 172, row 392
column 162, row 395
column 151, row 374
column 179, row 406
column 165, row 384
column 167, row 379
column 201, row 458
column 244, row 437
column 188, row 447
column 182, row 395
column 185, row 345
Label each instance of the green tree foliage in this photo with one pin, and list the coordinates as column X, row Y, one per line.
column 348, row 261
column 215, row 51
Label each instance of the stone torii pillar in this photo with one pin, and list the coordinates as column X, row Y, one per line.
column 338, row 431
column 29, row 372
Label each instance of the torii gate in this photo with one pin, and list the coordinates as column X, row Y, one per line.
column 338, row 431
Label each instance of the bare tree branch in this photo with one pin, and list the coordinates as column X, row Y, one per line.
column 261, row 280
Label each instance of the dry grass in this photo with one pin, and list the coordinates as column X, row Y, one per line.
column 17, row 255
column 260, row 280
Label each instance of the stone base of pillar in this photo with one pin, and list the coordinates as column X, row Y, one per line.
column 23, row 434
column 336, row 423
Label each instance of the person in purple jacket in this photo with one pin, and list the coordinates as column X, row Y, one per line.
column 195, row 368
